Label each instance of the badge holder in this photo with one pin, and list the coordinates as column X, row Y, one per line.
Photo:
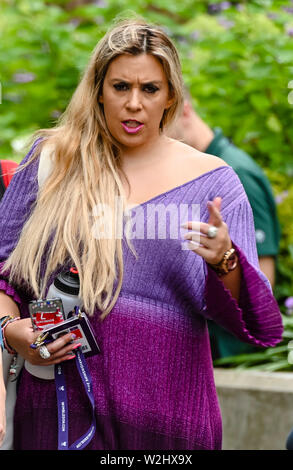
column 79, row 325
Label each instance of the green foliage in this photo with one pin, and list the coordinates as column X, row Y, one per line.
column 278, row 358
column 236, row 60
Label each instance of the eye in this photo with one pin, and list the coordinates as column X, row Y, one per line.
column 122, row 86
column 150, row 88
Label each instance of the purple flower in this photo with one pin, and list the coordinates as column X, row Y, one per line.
column 227, row 24
column 272, row 16
column 281, row 197
column 288, row 9
column 101, row 3
column 214, row 8
column 75, row 22
column 181, row 39
column 56, row 114
column 225, row 5
column 289, row 305
column 23, row 77
column 239, row 7
column 218, row 7
column 194, row 35
column 289, row 31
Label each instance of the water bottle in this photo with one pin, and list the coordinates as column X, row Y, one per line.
column 66, row 287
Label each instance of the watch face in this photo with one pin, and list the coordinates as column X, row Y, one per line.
column 232, row 262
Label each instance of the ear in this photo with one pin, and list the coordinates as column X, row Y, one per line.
column 101, row 99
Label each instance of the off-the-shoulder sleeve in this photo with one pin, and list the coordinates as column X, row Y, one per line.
column 15, row 209
column 256, row 318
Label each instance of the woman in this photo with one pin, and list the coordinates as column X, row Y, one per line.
column 146, row 295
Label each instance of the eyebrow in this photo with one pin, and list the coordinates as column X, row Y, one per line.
column 149, row 82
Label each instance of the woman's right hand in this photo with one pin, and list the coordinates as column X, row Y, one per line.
column 20, row 335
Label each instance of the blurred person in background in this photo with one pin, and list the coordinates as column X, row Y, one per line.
column 6, row 172
column 193, row 131
column 7, row 168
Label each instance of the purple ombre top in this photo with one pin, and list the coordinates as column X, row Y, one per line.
column 153, row 381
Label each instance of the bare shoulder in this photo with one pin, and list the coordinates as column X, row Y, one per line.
column 194, row 161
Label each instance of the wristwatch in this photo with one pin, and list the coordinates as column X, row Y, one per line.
column 227, row 263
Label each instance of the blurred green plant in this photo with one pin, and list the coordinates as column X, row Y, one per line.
column 279, row 358
column 236, row 60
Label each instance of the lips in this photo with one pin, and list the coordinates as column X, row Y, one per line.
column 132, row 126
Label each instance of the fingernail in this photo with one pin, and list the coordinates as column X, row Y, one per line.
column 76, row 346
column 73, row 336
column 70, row 357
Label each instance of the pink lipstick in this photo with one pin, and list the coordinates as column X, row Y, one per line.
column 132, row 126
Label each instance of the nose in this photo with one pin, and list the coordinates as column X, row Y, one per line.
column 134, row 100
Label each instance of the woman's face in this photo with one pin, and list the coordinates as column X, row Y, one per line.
column 135, row 95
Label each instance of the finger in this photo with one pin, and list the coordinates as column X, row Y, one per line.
column 60, row 343
column 198, row 228
column 217, row 202
column 214, row 208
column 194, row 236
column 199, row 239
column 202, row 251
column 66, row 351
column 61, row 355
column 192, row 225
column 65, row 354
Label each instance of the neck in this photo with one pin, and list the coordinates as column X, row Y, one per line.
column 200, row 134
column 133, row 158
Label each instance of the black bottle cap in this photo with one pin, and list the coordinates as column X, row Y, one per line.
column 68, row 282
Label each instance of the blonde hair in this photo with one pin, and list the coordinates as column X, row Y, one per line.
column 85, row 172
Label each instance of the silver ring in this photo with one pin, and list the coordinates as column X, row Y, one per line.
column 44, row 352
column 212, row 232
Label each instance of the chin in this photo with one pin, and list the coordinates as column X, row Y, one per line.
column 131, row 141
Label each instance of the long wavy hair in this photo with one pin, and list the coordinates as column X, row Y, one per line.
column 86, row 171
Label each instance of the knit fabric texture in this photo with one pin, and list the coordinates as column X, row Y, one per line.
column 153, row 380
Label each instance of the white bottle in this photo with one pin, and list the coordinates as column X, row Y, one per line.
column 66, row 288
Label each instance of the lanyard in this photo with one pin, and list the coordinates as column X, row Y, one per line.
column 62, row 403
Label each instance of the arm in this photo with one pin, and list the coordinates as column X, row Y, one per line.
column 243, row 305
column 16, row 207
column 261, row 199
column 267, row 266
column 255, row 318
column 7, row 304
